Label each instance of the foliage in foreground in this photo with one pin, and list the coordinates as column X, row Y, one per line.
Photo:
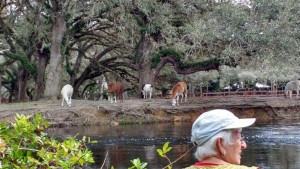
column 137, row 164
column 23, row 144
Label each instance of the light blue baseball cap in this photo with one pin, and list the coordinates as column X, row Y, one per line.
column 212, row 122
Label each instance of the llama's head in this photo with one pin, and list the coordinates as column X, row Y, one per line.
column 173, row 102
column 143, row 92
column 104, row 84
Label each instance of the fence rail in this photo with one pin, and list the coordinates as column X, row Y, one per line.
column 253, row 93
column 250, row 93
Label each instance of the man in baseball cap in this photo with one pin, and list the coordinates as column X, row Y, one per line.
column 217, row 135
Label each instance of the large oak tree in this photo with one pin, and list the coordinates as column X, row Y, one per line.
column 76, row 41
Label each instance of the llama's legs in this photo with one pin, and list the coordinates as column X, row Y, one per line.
column 150, row 95
column 177, row 100
column 174, row 102
column 182, row 95
column 111, row 98
column 70, row 101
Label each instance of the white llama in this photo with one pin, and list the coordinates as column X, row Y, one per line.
column 147, row 90
column 290, row 87
column 66, row 93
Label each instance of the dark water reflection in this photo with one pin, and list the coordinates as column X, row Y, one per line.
column 270, row 146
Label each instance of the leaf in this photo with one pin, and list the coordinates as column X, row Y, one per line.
column 137, row 164
column 144, row 165
column 166, row 145
column 168, row 149
column 74, row 160
column 33, row 160
column 160, row 152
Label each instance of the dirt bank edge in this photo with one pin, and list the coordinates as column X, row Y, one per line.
column 86, row 112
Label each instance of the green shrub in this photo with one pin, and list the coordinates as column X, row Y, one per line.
column 23, row 144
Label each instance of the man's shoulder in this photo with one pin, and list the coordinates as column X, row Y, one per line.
column 227, row 166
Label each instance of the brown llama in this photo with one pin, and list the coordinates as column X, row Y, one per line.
column 180, row 89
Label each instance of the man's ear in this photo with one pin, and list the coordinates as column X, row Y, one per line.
column 220, row 146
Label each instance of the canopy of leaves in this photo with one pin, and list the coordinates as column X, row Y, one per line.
column 102, row 36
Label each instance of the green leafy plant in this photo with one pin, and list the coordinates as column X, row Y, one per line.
column 137, row 164
column 23, row 144
column 163, row 153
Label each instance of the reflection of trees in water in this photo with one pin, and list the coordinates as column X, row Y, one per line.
column 269, row 147
column 118, row 156
column 272, row 156
column 179, row 150
column 265, row 156
column 150, row 153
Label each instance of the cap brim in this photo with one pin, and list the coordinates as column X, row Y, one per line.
column 241, row 123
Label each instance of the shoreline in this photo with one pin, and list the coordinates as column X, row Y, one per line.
column 89, row 112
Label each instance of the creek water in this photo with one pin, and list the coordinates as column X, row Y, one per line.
column 270, row 146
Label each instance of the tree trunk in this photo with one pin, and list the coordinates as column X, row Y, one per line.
column 146, row 74
column 76, row 68
column 54, row 76
column 39, row 83
column 1, row 74
column 23, row 77
column 12, row 92
column 77, row 65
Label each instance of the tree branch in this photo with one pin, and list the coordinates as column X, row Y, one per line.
column 212, row 64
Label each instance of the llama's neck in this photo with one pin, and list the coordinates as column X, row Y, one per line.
column 104, row 86
column 174, row 94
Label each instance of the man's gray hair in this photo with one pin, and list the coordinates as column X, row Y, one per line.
column 208, row 149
